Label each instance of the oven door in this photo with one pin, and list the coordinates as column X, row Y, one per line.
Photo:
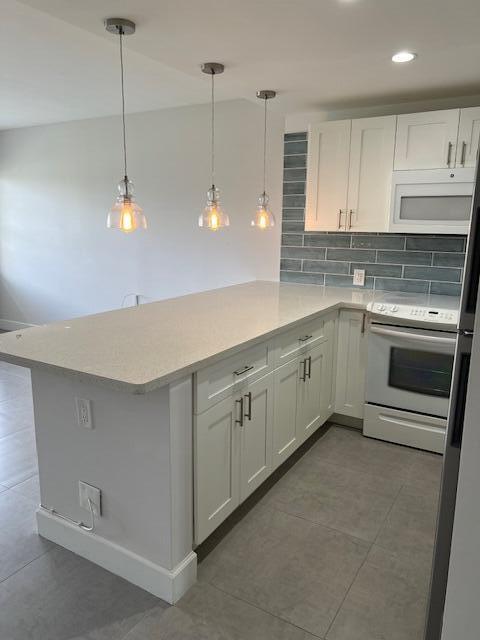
column 410, row 369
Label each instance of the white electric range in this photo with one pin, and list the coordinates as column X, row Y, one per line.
column 409, row 372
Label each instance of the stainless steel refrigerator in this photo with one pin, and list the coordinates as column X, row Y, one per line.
column 460, row 420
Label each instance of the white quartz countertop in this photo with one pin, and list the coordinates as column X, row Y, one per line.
column 139, row 349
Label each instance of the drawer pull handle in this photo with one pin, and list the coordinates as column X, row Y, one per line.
column 303, row 375
column 240, row 420
column 308, row 373
column 305, row 338
column 248, row 412
column 240, row 372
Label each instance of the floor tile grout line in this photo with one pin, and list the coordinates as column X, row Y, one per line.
column 264, row 610
column 388, row 513
column 44, row 553
column 13, row 487
column 348, row 591
column 14, row 433
column 325, row 526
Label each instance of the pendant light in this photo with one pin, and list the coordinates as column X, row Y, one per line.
column 213, row 217
column 264, row 218
column 125, row 214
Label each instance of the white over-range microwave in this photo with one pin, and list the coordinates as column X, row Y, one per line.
column 431, row 201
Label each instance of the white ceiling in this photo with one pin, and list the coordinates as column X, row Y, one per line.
column 57, row 62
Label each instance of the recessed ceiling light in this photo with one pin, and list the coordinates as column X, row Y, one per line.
column 404, row 56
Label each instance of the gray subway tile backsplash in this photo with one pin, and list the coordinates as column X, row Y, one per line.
column 436, row 243
column 292, row 240
column 445, row 288
column 440, row 274
column 302, row 278
column 405, row 257
column 392, row 262
column 293, row 147
column 351, row 255
column 325, row 266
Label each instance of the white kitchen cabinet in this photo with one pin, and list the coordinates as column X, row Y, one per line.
column 216, row 469
column 309, row 397
column 351, row 364
column 349, row 171
column 327, row 392
column 327, row 175
column 285, row 412
column 233, row 453
column 427, row 140
column 370, row 174
column 468, row 137
column 256, row 435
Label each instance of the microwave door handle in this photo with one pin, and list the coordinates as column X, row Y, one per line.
column 412, row 336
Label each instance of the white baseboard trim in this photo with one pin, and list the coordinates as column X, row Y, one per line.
column 169, row 585
column 13, row 325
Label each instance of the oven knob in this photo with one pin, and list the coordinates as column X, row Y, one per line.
column 381, row 307
column 394, row 308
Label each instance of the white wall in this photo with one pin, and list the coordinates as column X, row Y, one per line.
column 57, row 183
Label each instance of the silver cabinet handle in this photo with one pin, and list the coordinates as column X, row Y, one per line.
column 248, row 412
column 340, row 214
column 449, row 153
column 364, row 320
column 464, row 153
column 303, row 375
column 240, row 420
column 309, row 371
column 350, row 213
column 240, row 372
column 305, row 338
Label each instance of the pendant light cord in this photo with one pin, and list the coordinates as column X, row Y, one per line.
column 120, row 31
column 265, row 146
column 213, row 128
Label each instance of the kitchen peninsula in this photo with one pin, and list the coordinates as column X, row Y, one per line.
column 178, row 410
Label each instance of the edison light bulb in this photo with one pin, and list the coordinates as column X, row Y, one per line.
column 213, row 217
column 125, row 214
column 263, row 218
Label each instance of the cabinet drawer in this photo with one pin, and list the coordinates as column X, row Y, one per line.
column 222, row 379
column 303, row 337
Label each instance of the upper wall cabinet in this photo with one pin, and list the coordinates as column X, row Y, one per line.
column 327, row 175
column 349, row 174
column 370, row 174
column 427, row 140
column 468, row 137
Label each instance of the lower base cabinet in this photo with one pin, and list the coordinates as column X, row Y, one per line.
column 351, row 364
column 240, row 440
column 233, row 453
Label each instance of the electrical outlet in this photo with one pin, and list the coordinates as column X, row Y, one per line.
column 84, row 413
column 86, row 491
column 359, row 277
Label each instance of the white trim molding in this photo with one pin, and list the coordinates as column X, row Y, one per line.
column 167, row 584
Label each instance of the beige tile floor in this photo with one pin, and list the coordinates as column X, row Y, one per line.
column 338, row 548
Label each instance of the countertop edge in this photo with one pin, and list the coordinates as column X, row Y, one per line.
column 152, row 385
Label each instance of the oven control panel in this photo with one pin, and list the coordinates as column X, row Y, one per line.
column 420, row 314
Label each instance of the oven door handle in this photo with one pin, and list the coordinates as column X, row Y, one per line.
column 412, row 336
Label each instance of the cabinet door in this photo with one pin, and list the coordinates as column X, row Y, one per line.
column 311, row 380
column 327, row 392
column 217, row 490
column 426, row 140
column 468, row 136
column 351, row 360
column 327, row 176
column 369, row 183
column 285, row 411
column 256, row 435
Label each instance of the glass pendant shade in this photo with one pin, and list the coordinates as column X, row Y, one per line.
column 263, row 218
column 126, row 215
column 213, row 217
